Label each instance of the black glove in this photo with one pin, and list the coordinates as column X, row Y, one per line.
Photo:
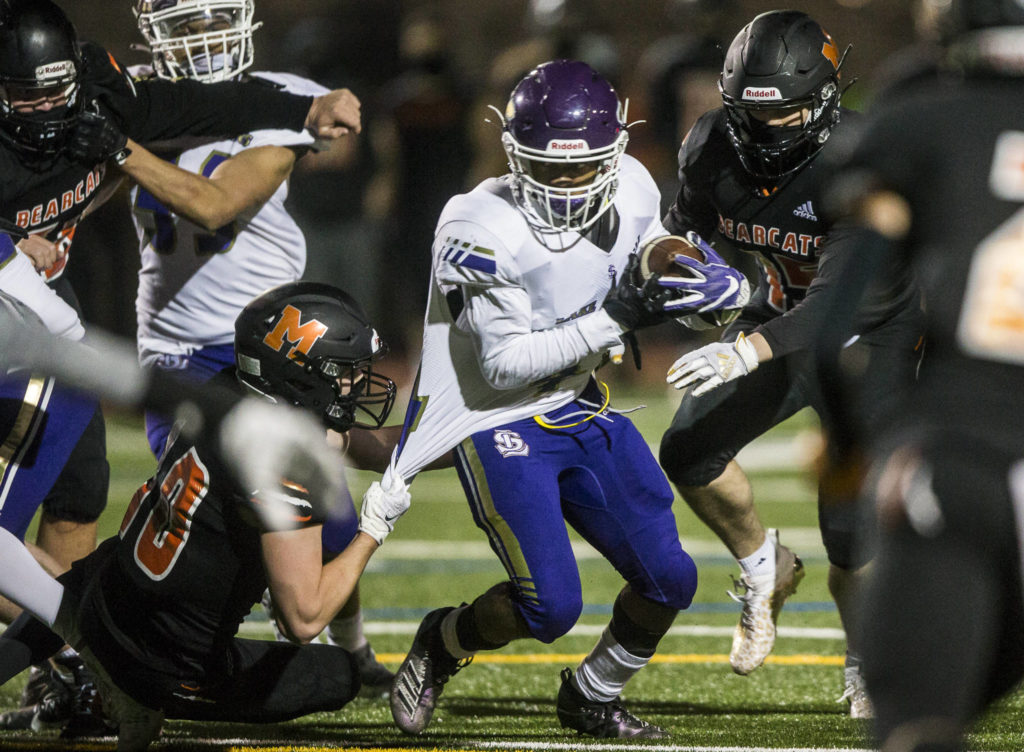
column 96, row 139
column 634, row 303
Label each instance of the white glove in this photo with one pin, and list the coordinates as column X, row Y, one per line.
column 383, row 503
column 713, row 365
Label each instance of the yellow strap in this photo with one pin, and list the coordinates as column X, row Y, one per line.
column 607, row 401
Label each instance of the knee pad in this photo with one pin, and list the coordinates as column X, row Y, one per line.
column 673, row 587
column 80, row 492
column 685, row 460
column 549, row 621
column 845, row 544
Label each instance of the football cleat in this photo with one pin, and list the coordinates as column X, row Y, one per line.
column 56, row 704
column 38, row 683
column 754, row 637
column 856, row 693
column 424, row 672
column 605, row 720
column 87, row 715
column 375, row 677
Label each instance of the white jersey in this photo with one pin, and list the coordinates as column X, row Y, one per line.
column 532, row 327
column 193, row 283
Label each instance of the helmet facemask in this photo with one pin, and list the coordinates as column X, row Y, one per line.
column 567, row 186
column 205, row 40
column 774, row 151
column 39, row 133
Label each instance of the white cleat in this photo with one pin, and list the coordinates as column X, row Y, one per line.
column 754, row 637
column 856, row 694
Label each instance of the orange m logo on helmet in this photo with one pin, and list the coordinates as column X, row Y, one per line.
column 290, row 327
column 829, row 50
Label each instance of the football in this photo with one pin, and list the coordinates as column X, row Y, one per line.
column 657, row 256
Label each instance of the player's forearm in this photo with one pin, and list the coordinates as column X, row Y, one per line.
column 512, row 355
column 526, row 358
column 191, row 196
column 307, row 617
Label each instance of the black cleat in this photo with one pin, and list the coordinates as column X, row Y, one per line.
column 87, row 716
column 422, row 675
column 39, row 679
column 605, row 720
column 375, row 677
column 55, row 706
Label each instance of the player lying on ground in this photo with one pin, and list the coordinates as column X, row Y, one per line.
column 196, row 551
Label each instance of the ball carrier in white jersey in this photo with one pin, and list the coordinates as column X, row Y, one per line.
column 534, row 281
column 214, row 232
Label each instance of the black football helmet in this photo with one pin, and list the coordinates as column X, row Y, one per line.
column 39, row 56
column 310, row 344
column 781, row 60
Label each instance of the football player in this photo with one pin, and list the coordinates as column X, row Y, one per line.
column 534, row 281
column 54, row 439
column 154, row 610
column 213, row 228
column 47, row 81
column 752, row 170
column 936, row 181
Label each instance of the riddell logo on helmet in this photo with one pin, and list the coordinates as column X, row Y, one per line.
column 302, row 336
column 55, row 70
column 762, row 93
column 575, row 145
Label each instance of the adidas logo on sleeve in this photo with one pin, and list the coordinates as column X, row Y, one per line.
column 805, row 211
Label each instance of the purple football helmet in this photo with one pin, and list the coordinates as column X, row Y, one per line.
column 564, row 133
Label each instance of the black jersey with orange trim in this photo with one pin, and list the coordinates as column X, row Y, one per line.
column 783, row 225
column 50, row 197
column 953, row 149
column 187, row 567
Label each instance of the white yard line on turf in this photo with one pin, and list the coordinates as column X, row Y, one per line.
column 584, row 630
column 804, row 540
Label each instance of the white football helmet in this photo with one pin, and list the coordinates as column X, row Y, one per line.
column 207, row 40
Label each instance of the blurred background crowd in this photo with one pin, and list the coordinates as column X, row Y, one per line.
column 426, row 71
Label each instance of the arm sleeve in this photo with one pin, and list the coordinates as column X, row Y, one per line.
column 153, row 109
column 512, row 354
column 886, row 295
column 498, row 313
column 692, row 210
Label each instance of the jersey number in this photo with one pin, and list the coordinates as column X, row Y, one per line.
column 166, row 530
column 992, row 318
column 163, row 233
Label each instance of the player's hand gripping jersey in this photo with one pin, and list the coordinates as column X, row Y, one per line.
column 525, row 308
column 193, row 282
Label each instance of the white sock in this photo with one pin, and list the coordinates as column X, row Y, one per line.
column 605, row 671
column 25, row 582
column 761, row 563
column 451, row 636
column 347, row 632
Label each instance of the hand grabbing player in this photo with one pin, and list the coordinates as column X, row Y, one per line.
column 97, row 138
column 334, row 115
column 383, row 503
column 715, row 364
column 41, row 252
